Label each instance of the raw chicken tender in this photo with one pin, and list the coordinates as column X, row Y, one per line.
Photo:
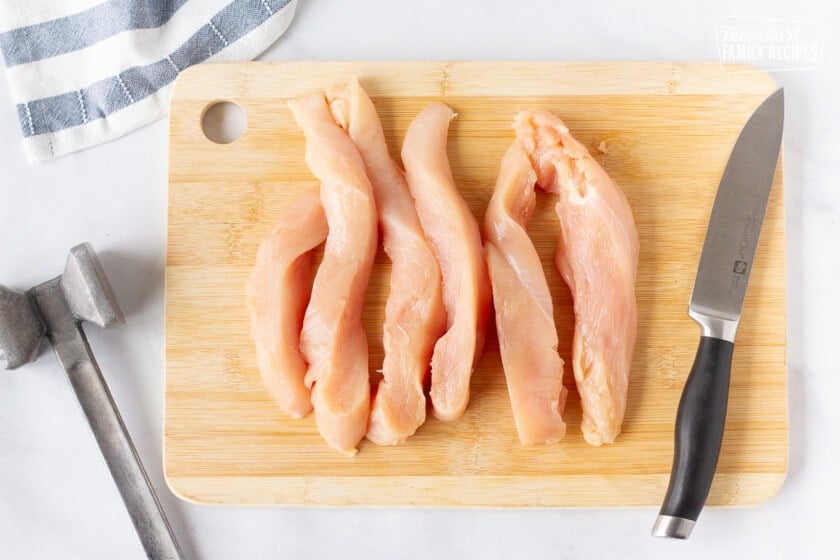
column 277, row 293
column 524, row 315
column 597, row 255
column 414, row 313
column 453, row 233
column 333, row 340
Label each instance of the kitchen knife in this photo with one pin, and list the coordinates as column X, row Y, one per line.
column 716, row 302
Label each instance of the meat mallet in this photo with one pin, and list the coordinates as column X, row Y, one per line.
column 57, row 308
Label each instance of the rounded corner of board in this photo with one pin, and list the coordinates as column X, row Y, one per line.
column 174, row 483
column 771, row 488
column 193, row 82
column 185, row 76
column 753, row 489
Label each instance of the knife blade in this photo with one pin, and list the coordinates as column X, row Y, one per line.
column 716, row 303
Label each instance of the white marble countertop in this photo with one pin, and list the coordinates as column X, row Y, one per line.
column 56, row 498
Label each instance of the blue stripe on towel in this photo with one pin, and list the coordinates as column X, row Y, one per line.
column 107, row 96
column 71, row 33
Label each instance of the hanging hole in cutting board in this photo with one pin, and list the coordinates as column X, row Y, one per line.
column 223, row 122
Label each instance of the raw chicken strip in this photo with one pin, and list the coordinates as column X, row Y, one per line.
column 277, row 293
column 453, row 233
column 333, row 340
column 597, row 255
column 414, row 313
column 524, row 315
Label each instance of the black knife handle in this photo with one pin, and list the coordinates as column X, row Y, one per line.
column 699, row 430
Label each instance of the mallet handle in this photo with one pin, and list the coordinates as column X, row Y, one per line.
column 71, row 347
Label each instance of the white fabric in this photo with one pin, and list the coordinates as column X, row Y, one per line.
column 77, row 69
column 73, row 100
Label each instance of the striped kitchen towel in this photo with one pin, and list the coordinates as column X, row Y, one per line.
column 83, row 72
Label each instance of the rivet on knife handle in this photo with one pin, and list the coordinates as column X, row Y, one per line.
column 716, row 304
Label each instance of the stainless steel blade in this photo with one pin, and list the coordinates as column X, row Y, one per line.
column 735, row 223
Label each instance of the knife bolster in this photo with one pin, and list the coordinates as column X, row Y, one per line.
column 714, row 327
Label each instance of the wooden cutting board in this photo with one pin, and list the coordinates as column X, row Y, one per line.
column 666, row 131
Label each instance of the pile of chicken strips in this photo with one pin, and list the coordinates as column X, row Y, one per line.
column 446, row 272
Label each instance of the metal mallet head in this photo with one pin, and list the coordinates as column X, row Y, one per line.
column 85, row 290
column 21, row 328
column 56, row 309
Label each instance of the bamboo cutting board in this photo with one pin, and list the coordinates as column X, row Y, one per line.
column 666, row 131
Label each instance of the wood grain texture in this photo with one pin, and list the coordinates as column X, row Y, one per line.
column 668, row 130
